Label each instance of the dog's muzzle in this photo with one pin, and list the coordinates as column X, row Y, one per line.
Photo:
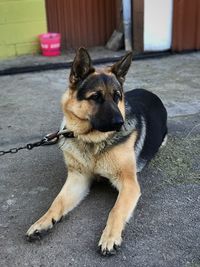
column 114, row 125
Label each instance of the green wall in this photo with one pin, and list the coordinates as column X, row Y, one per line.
column 20, row 23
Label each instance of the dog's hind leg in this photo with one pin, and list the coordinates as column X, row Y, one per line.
column 73, row 191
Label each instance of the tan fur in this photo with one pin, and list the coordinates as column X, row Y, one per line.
column 77, row 113
column 120, row 167
column 121, row 106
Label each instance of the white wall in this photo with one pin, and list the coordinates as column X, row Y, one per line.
column 157, row 24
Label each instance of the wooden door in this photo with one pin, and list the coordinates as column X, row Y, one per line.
column 186, row 25
column 82, row 22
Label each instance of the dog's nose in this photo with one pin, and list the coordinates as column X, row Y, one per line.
column 117, row 122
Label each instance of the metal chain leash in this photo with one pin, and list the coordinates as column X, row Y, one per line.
column 12, row 150
column 49, row 139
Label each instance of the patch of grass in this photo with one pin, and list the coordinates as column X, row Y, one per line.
column 179, row 160
column 193, row 264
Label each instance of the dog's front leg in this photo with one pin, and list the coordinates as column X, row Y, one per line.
column 129, row 193
column 73, row 191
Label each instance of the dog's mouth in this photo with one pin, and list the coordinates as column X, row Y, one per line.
column 108, row 127
column 105, row 130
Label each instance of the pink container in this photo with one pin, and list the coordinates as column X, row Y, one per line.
column 50, row 44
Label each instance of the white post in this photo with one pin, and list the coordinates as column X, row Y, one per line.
column 157, row 24
column 127, row 24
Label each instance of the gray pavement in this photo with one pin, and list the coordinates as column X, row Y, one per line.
column 165, row 229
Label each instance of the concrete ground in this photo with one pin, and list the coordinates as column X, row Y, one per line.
column 165, row 229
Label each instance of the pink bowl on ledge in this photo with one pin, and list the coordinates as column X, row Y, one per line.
column 50, row 44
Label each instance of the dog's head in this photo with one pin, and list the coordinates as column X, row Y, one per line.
column 94, row 101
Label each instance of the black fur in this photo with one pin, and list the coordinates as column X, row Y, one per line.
column 145, row 104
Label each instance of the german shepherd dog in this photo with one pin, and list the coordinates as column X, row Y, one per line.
column 115, row 135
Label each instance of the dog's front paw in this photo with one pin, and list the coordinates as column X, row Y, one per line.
column 40, row 228
column 109, row 242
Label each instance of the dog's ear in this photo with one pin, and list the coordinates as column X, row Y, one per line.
column 121, row 67
column 81, row 66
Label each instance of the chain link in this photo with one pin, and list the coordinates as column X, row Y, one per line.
column 44, row 141
column 49, row 139
column 12, row 150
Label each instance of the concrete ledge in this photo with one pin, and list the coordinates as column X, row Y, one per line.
column 35, row 63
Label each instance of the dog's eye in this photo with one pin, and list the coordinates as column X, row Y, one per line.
column 117, row 96
column 96, row 96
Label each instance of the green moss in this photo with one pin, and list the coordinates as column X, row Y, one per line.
column 178, row 161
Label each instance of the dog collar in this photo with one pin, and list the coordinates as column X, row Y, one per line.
column 66, row 133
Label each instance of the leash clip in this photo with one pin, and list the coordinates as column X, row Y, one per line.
column 50, row 139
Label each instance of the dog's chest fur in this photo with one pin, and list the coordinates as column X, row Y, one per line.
column 79, row 153
column 98, row 159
